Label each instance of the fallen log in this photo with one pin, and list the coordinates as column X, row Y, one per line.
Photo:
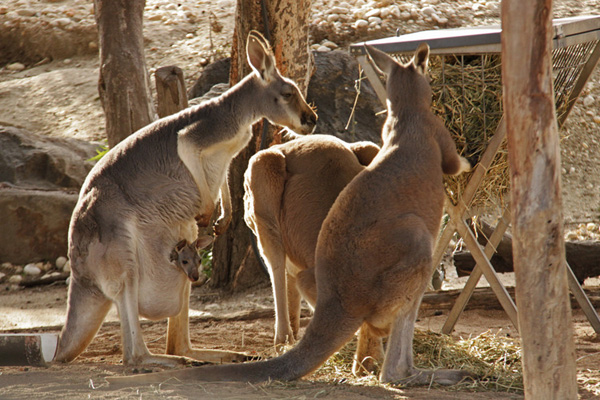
column 484, row 298
column 582, row 256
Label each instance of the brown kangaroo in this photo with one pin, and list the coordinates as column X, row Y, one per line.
column 373, row 257
column 289, row 191
column 185, row 256
column 141, row 198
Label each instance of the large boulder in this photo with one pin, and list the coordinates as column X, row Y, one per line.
column 331, row 89
column 40, row 179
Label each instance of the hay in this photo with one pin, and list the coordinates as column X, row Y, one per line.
column 495, row 359
column 467, row 95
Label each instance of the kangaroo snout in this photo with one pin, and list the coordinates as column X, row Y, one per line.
column 309, row 120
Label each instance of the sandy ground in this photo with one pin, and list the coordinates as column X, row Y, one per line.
column 59, row 97
column 241, row 322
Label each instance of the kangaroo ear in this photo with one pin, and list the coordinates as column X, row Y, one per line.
column 260, row 57
column 421, row 58
column 180, row 245
column 203, row 242
column 382, row 61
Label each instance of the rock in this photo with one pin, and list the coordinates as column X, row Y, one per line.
column 32, row 270
column 35, row 161
column 216, row 72
column 428, row 11
column 60, row 262
column 588, row 100
column 332, row 90
column 361, row 24
column 15, row 279
column 376, row 12
column 36, row 223
column 67, row 266
column 322, row 49
column 15, row 67
column 2, row 275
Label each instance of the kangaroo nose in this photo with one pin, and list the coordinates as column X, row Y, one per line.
column 309, row 119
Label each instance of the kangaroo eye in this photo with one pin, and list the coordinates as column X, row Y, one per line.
column 184, row 262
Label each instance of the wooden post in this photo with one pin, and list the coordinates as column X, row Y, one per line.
column 534, row 158
column 123, row 84
column 171, row 95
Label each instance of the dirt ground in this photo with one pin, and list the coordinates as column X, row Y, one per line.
column 59, row 97
column 241, row 322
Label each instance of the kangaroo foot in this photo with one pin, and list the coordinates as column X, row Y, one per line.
column 367, row 366
column 420, row 377
column 218, row 356
column 162, row 360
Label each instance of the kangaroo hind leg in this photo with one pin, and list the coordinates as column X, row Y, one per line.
column 87, row 307
column 398, row 366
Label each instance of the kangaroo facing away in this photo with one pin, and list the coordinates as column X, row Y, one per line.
column 374, row 251
column 143, row 196
column 185, row 255
column 289, row 190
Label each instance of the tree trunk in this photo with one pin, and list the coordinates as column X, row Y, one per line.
column 234, row 267
column 123, row 84
column 539, row 254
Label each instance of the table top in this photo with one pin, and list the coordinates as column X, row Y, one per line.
column 484, row 39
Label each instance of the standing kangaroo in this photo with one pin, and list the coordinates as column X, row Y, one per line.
column 140, row 197
column 374, row 251
column 289, row 191
column 185, row 256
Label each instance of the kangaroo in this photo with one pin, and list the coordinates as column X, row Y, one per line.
column 146, row 191
column 289, row 189
column 185, row 256
column 374, row 251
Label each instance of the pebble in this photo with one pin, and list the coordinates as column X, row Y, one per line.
column 2, row 275
column 376, row 12
column 62, row 22
column 323, row 49
column 24, row 12
column 60, row 262
column 32, row 269
column 361, row 24
column 588, row 100
column 15, row 67
column 428, row 11
column 16, row 279
column 67, row 266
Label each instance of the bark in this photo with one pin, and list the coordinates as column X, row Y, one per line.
column 287, row 31
column 542, row 293
column 123, row 83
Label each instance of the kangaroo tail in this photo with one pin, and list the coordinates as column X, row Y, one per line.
column 327, row 332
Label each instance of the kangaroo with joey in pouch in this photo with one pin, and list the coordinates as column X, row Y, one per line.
column 373, row 257
column 185, row 256
column 142, row 198
column 289, row 189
